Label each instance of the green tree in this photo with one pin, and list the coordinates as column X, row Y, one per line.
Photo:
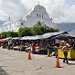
column 39, row 23
column 26, row 31
column 53, row 30
column 12, row 34
column 41, row 28
column 0, row 35
column 4, row 35
column 36, row 30
column 9, row 34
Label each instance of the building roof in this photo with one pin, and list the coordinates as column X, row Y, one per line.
column 39, row 8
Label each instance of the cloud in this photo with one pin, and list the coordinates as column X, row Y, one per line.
column 13, row 8
column 59, row 10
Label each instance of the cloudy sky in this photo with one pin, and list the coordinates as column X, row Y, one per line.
column 59, row 10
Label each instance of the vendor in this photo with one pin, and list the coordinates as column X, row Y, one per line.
column 33, row 48
column 74, row 45
column 9, row 45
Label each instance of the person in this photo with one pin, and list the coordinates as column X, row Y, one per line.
column 3, row 44
column 33, row 48
column 48, row 46
column 65, row 51
column 74, row 45
column 56, row 51
column 8, row 45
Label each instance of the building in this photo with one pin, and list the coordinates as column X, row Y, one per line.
column 37, row 14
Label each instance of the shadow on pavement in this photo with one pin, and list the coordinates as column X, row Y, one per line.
column 71, row 59
column 71, row 63
column 2, row 72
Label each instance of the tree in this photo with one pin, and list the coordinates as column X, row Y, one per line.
column 41, row 28
column 3, row 35
column 53, row 30
column 0, row 35
column 12, row 34
column 9, row 34
column 36, row 30
column 39, row 23
column 26, row 31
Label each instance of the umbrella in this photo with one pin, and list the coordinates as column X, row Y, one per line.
column 3, row 40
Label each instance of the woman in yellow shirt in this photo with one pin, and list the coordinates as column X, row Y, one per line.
column 65, row 51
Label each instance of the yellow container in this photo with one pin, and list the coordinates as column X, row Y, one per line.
column 71, row 53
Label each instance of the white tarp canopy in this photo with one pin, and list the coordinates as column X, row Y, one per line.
column 62, row 36
column 72, row 33
column 31, row 37
column 16, row 38
column 9, row 38
column 44, row 36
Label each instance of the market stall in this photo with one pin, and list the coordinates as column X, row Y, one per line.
column 15, row 43
column 71, row 52
column 3, row 43
column 69, row 39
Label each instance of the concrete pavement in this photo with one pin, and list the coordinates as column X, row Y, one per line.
column 17, row 63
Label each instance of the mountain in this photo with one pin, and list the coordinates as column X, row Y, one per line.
column 66, row 26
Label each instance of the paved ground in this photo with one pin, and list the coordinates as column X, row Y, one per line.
column 16, row 63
